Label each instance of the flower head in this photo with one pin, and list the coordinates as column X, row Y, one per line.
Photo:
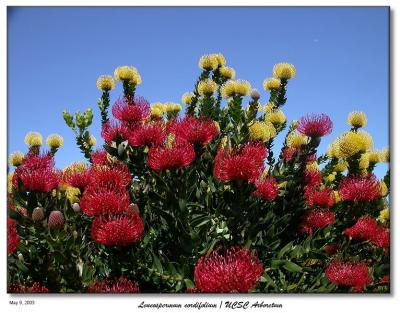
column 235, row 87
column 263, row 131
column 187, row 97
column 128, row 73
column 207, row 87
column 355, row 188
column 312, row 178
column 384, row 215
column 122, row 229
column 33, row 139
column 12, row 236
column 227, row 72
column 276, row 117
column 131, row 111
column 357, row 119
column 35, row 288
column 56, row 219
column 147, row 135
column 195, row 130
column 272, row 84
column 236, row 270
column 174, row 155
column 349, row 274
column 315, row 219
column 54, row 141
column 92, row 140
column 296, row 141
column 97, row 201
column 105, row 83
column 267, row 189
column 16, row 158
column 351, row 143
column 284, row 71
column 245, row 163
column 77, row 175
column 366, row 228
column 315, row 125
column 208, row 62
column 120, row 285
column 320, row 197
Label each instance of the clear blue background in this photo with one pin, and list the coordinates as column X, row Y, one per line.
column 56, row 54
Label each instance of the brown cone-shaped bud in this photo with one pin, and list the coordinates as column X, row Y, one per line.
column 133, row 208
column 76, row 207
column 37, row 214
column 56, row 219
column 255, row 95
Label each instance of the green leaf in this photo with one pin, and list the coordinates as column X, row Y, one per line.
column 292, row 267
column 188, row 283
column 157, row 264
column 285, row 249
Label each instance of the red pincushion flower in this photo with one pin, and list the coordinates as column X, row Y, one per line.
column 99, row 157
column 348, row 274
column 288, row 153
column 147, row 135
column 163, row 158
column 315, row 125
column 195, row 130
column 116, row 177
column 35, row 288
column 78, row 179
column 131, row 111
column 97, row 202
column 355, row 188
column 315, row 219
column 120, row 285
column 267, row 189
column 366, row 228
column 243, row 164
column 312, row 178
column 320, row 198
column 37, row 173
column 12, row 236
column 110, row 131
column 111, row 230
column 237, row 270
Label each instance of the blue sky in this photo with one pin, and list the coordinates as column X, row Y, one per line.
column 56, row 54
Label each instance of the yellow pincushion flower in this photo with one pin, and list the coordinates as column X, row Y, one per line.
column 385, row 155
column 341, row 166
column 9, row 182
column 375, row 156
column 105, row 83
column 173, row 107
column 333, row 150
column 263, row 131
column 284, row 71
column 208, row 62
column 128, row 73
column 272, row 84
column 364, row 161
column 92, row 140
column 312, row 166
column 220, row 59
column 296, row 140
column 76, row 167
column 384, row 215
column 187, row 97
column 269, row 107
column 206, row 87
column 352, row 143
column 235, row 87
column 156, row 112
column 54, row 141
column 331, row 177
column 227, row 72
column 384, row 189
column 72, row 194
column 33, row 139
column 357, row 119
column 276, row 117
column 337, row 196
column 158, row 105
column 16, row 158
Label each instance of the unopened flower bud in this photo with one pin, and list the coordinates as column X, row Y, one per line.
column 133, row 208
column 76, row 207
column 255, row 95
column 20, row 257
column 56, row 219
column 75, row 234
column 37, row 214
